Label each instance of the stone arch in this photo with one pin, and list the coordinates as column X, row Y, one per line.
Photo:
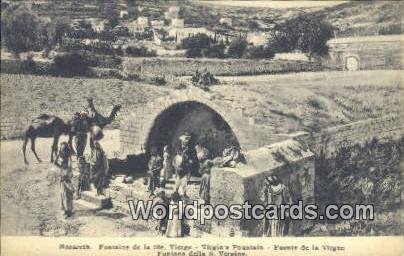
column 352, row 62
column 137, row 129
column 206, row 126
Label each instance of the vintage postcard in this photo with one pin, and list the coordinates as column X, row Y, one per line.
column 201, row 128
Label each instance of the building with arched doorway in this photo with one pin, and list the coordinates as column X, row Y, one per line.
column 364, row 53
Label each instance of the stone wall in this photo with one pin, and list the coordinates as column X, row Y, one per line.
column 24, row 97
column 385, row 128
column 228, row 67
column 292, row 162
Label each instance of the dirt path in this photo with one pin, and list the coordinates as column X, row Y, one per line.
column 30, row 200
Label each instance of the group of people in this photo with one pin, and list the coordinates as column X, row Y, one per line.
column 188, row 160
column 93, row 171
column 183, row 164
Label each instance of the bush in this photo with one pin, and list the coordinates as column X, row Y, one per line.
column 21, row 30
column 195, row 44
column 28, row 65
column 70, row 64
column 140, row 51
column 259, row 52
column 305, row 32
column 237, row 48
column 214, row 51
column 104, row 61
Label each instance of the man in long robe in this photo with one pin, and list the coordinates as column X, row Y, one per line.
column 155, row 165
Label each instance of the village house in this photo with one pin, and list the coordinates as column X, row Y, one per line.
column 123, row 14
column 172, row 13
column 177, row 23
column 139, row 25
column 226, row 21
column 157, row 24
column 97, row 25
column 257, row 38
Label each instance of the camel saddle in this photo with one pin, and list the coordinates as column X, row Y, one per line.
column 42, row 120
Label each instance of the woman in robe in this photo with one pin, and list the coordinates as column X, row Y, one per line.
column 167, row 170
column 99, row 165
column 174, row 225
column 84, row 177
column 66, row 174
column 275, row 193
column 204, row 189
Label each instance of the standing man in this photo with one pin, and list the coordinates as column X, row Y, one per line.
column 99, row 165
column 185, row 163
column 155, row 166
column 80, row 128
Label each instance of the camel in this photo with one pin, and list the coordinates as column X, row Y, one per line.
column 50, row 126
column 96, row 119
column 45, row 126
column 99, row 120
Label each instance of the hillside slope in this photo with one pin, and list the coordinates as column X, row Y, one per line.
column 358, row 18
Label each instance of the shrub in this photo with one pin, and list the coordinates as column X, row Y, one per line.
column 214, row 51
column 259, row 52
column 304, row 32
column 237, row 48
column 28, row 65
column 140, row 51
column 195, row 44
column 70, row 64
column 159, row 80
column 21, row 30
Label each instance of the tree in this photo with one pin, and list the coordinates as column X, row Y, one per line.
column 56, row 30
column 214, row 51
column 195, row 44
column 306, row 33
column 21, row 30
column 70, row 64
column 237, row 48
column 111, row 15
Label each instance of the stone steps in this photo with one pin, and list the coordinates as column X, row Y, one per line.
column 85, row 204
column 98, row 201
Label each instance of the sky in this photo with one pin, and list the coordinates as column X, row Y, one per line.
column 277, row 4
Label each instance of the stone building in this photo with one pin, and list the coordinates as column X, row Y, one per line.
column 172, row 13
column 123, row 14
column 370, row 52
column 226, row 21
column 177, row 23
column 257, row 38
column 139, row 25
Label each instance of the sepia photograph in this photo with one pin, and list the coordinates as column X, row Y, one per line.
column 201, row 128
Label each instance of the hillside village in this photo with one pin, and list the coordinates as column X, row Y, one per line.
column 157, row 28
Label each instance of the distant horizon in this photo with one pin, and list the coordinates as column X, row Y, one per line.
column 274, row 4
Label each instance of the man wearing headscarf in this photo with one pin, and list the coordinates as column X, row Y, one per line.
column 155, row 165
column 80, row 127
